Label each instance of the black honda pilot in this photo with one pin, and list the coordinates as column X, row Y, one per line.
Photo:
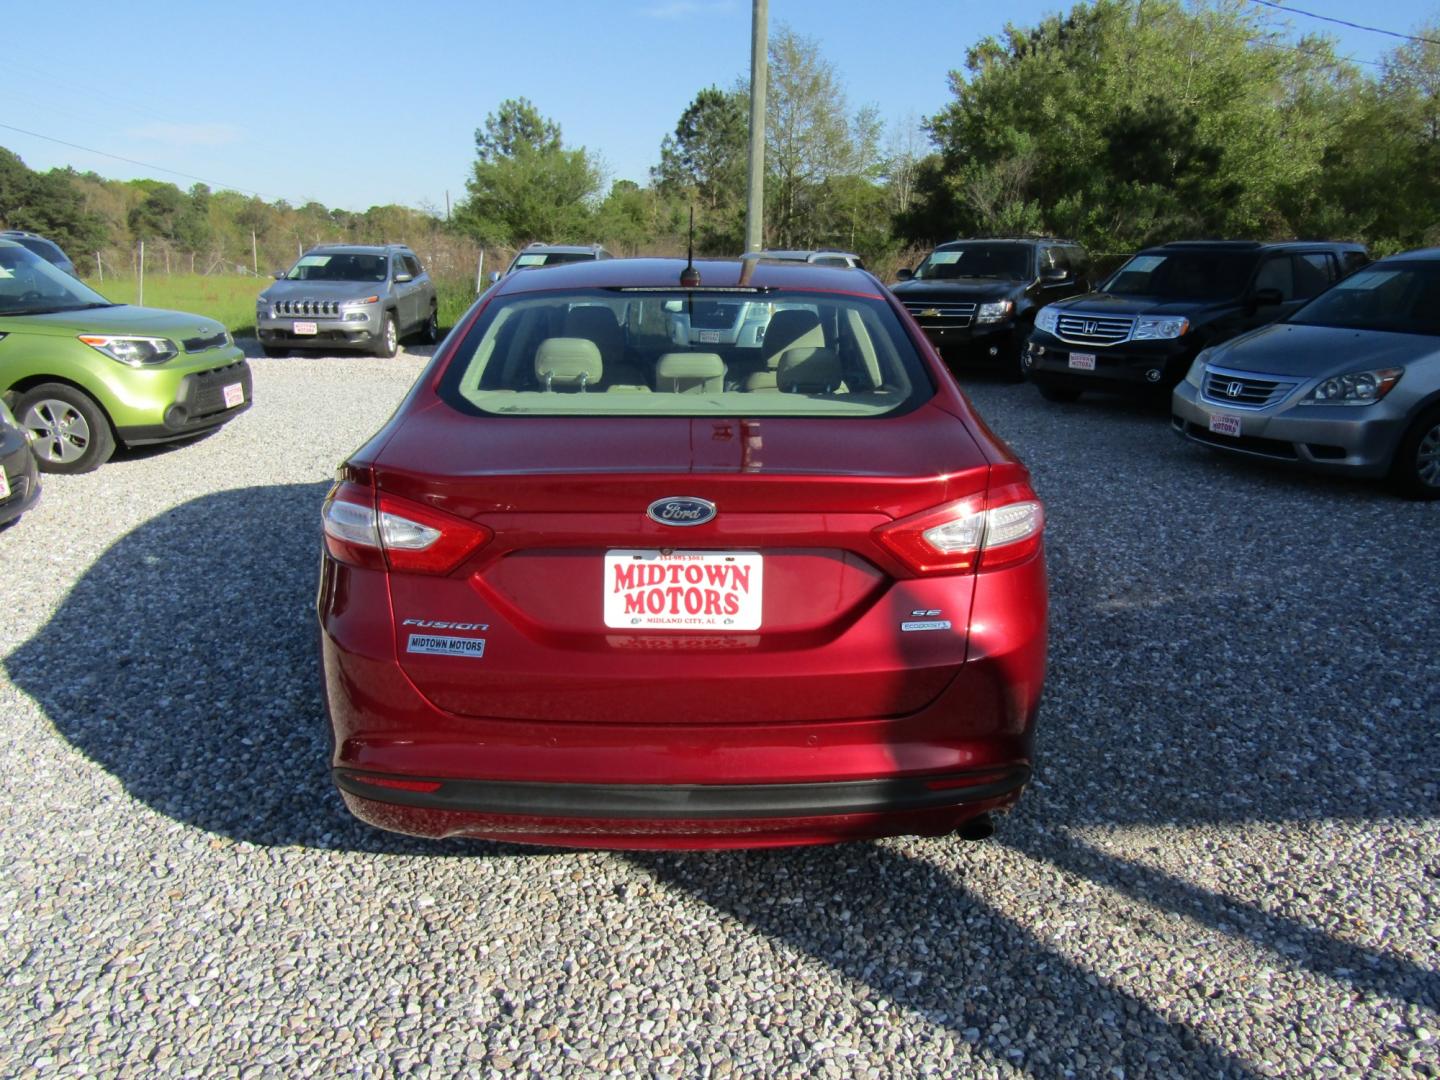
column 977, row 299
column 1140, row 331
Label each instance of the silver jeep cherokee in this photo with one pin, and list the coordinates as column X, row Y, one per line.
column 348, row 296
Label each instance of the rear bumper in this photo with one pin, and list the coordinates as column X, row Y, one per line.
column 404, row 764
column 670, row 817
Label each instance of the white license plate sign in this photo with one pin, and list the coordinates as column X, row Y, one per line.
column 709, row 337
column 683, row 590
column 234, row 395
column 1082, row 361
column 4, row 485
column 1225, row 425
column 306, row 328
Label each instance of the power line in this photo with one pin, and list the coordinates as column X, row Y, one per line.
column 131, row 161
column 1313, row 52
column 1343, row 22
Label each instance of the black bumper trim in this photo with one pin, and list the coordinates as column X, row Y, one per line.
column 692, row 801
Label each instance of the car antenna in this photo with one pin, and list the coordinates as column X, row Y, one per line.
column 690, row 277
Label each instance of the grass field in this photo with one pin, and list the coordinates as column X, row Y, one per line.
column 230, row 299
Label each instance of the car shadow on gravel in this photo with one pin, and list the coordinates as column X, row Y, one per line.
column 911, row 936
column 185, row 663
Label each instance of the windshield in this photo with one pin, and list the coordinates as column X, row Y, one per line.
column 551, row 258
column 31, row 286
column 1189, row 275
column 1010, row 262
column 1402, row 298
column 605, row 352
column 338, row 267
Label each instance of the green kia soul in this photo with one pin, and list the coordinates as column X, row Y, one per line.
column 83, row 374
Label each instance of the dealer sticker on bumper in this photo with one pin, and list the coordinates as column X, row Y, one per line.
column 437, row 645
column 1225, row 425
column 234, row 395
column 4, row 485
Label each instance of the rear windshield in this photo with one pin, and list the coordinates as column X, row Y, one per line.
column 551, row 258
column 1189, row 275
column 1402, row 298
column 1009, row 262
column 677, row 353
column 340, row 267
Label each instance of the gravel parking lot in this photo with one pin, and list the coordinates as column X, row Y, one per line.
column 1228, row 864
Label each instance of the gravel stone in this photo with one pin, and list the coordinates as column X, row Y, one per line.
column 1225, row 867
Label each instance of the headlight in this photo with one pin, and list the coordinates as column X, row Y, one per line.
column 1196, row 375
column 1355, row 388
column 133, row 351
column 1162, row 329
column 1047, row 318
column 994, row 312
column 362, row 300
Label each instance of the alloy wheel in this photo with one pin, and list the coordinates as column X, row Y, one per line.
column 1427, row 458
column 62, row 434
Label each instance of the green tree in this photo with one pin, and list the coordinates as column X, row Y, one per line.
column 810, row 138
column 704, row 162
column 524, row 184
column 1127, row 121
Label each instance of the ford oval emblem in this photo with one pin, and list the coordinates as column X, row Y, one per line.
column 681, row 511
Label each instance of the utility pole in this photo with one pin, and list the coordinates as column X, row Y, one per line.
column 254, row 255
column 755, row 190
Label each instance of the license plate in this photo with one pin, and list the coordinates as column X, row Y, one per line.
column 234, row 395
column 4, row 485
column 708, row 337
column 306, row 328
column 683, row 590
column 1082, row 361
column 1225, row 425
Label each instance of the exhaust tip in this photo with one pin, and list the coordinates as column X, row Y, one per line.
column 978, row 828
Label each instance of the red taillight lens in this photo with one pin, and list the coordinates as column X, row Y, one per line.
column 987, row 532
column 389, row 531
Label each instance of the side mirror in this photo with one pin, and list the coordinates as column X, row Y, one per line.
column 904, row 274
column 402, row 278
column 1054, row 275
column 278, row 274
column 1267, row 297
column 494, row 276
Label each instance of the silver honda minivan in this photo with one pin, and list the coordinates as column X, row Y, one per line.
column 1350, row 383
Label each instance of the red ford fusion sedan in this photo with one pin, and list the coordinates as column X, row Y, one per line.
column 652, row 561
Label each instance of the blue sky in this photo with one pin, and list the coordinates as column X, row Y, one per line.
column 362, row 103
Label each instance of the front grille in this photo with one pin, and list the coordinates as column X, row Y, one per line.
column 210, row 388
column 294, row 308
column 950, row 314
column 200, row 344
column 1081, row 329
column 1244, row 391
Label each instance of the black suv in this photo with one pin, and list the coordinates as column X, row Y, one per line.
column 1146, row 323
column 978, row 298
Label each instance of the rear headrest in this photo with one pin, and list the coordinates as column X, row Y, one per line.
column 568, row 361
column 791, row 329
column 593, row 322
column 686, row 365
column 808, row 371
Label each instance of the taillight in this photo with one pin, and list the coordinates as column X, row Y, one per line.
column 363, row 530
column 973, row 534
